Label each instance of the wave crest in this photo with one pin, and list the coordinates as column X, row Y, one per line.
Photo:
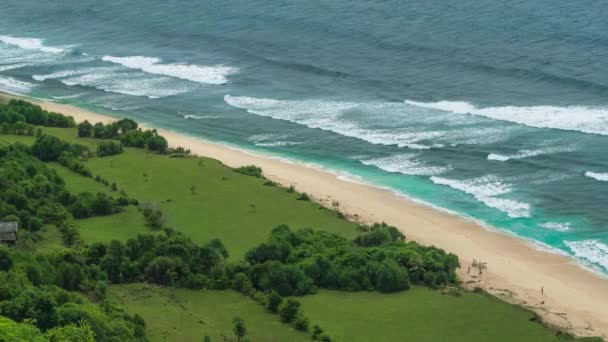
column 405, row 164
column 200, row 74
column 486, row 189
column 30, row 44
column 573, row 118
column 602, row 177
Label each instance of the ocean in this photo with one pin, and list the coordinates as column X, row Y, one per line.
column 497, row 111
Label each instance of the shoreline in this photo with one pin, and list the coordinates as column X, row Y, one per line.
column 575, row 298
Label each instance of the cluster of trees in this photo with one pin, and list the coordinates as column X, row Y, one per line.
column 50, row 148
column 37, row 305
column 127, row 131
column 33, row 194
column 17, row 128
column 22, row 111
column 297, row 263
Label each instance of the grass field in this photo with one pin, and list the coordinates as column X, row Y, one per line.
column 194, row 314
column 236, row 208
column 204, row 199
column 421, row 315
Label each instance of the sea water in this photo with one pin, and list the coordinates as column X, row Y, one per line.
column 497, row 111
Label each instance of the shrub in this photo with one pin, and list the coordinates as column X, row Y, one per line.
column 108, row 148
column 274, row 301
column 301, row 322
column 250, row 170
column 304, row 197
column 85, row 129
column 289, row 310
column 242, row 284
column 153, row 215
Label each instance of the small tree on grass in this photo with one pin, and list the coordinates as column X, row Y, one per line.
column 193, row 190
column 289, row 310
column 301, row 322
column 274, row 300
column 239, row 329
column 153, row 215
column 316, row 333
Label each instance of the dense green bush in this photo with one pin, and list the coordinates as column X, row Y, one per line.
column 108, row 148
column 296, row 263
column 19, row 110
column 51, row 148
column 250, row 170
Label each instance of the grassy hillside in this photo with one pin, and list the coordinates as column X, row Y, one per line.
column 194, row 314
column 204, row 199
column 423, row 313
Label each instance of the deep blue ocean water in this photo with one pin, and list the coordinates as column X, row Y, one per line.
column 497, row 111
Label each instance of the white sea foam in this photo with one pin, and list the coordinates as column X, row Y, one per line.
column 603, row 177
column 12, row 85
column 405, row 164
column 593, row 251
column 30, row 44
column 277, row 143
column 531, row 153
column 198, row 117
column 201, row 74
column 107, row 79
column 329, row 116
column 577, row 118
column 272, row 140
column 558, row 226
column 68, row 97
column 61, row 74
column 486, row 189
column 12, row 66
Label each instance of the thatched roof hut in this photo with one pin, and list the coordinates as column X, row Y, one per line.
column 8, row 231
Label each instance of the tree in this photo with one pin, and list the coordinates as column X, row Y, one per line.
column 5, row 260
column 239, row 329
column 289, row 310
column 242, row 284
column 48, row 148
column 85, row 129
column 274, row 301
column 108, row 148
column 157, row 143
column 391, row 277
column 316, row 333
column 301, row 322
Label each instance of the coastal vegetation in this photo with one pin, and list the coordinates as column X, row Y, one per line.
column 193, row 250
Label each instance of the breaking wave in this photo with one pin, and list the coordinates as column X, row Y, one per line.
column 575, row 118
column 603, row 177
column 30, row 44
column 405, row 164
column 486, row 189
column 592, row 251
column 328, row 115
column 201, row 74
column 530, row 153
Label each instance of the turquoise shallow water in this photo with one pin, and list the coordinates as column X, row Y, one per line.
column 496, row 111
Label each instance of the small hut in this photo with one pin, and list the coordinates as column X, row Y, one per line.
column 8, row 232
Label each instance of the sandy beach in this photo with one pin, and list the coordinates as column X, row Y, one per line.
column 572, row 298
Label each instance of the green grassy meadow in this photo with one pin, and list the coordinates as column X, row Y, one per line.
column 205, row 199
column 193, row 314
column 421, row 314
